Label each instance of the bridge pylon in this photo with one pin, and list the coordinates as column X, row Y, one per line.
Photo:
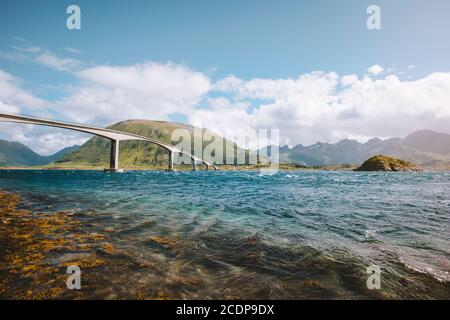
column 114, row 157
column 170, row 168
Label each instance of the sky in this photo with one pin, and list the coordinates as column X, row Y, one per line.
column 311, row 69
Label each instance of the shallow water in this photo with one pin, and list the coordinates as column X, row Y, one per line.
column 232, row 235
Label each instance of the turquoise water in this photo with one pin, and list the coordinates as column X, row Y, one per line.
column 295, row 234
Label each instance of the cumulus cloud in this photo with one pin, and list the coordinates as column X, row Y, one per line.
column 149, row 90
column 7, row 108
column 234, row 118
column 315, row 83
column 349, row 80
column 375, row 70
column 314, row 108
column 291, row 105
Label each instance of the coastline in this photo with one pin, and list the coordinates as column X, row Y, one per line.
column 286, row 167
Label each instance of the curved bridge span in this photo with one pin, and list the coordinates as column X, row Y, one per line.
column 113, row 135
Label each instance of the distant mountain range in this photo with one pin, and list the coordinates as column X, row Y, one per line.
column 426, row 148
column 17, row 154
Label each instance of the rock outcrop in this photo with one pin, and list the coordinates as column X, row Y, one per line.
column 385, row 163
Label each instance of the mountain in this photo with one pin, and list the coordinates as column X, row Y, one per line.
column 95, row 152
column 426, row 148
column 58, row 155
column 17, row 154
column 429, row 141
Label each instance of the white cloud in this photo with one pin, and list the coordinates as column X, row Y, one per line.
column 234, row 118
column 313, row 108
column 104, row 95
column 13, row 95
column 58, row 63
column 46, row 141
column 43, row 57
column 7, row 108
column 349, row 80
column 149, row 90
column 375, row 70
column 291, row 105
column 30, row 49
column 14, row 56
column 15, row 100
column 315, row 83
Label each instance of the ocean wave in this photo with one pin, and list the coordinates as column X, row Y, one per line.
column 442, row 276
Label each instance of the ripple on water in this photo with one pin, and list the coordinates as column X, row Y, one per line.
column 242, row 234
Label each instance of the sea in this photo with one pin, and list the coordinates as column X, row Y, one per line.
column 227, row 235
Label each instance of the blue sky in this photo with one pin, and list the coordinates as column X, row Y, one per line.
column 253, row 38
column 272, row 40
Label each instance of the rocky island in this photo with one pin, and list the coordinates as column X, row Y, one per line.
column 386, row 163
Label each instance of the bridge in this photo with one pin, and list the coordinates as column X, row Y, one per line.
column 114, row 136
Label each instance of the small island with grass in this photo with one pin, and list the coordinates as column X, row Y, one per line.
column 386, row 163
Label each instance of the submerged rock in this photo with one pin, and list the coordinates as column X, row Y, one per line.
column 386, row 163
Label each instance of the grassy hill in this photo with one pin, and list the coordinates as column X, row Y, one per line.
column 385, row 163
column 17, row 154
column 136, row 154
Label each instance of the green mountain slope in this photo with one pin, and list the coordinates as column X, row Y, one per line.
column 58, row 155
column 17, row 154
column 95, row 152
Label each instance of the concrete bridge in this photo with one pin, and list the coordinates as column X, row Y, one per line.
column 113, row 135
